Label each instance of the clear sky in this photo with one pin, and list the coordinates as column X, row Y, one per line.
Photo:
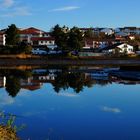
column 45, row 14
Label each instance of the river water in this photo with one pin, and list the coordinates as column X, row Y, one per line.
column 73, row 103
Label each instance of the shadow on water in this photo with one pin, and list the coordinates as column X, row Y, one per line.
column 63, row 78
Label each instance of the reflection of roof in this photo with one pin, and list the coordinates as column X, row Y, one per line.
column 32, row 87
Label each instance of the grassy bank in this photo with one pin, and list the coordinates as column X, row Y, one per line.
column 45, row 62
column 36, row 60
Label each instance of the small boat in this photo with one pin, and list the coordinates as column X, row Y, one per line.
column 99, row 74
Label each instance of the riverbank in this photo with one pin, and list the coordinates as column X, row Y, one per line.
column 45, row 62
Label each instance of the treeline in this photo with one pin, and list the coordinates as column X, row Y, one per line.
column 68, row 39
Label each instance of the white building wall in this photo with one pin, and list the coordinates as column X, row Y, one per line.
column 2, row 39
column 128, row 48
column 46, row 42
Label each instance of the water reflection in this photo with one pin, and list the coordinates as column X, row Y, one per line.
column 46, row 98
column 76, row 78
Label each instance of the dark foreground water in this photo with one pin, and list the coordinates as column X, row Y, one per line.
column 72, row 104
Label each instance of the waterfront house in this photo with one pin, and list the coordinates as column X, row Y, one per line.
column 44, row 41
column 26, row 34
column 121, row 48
column 37, row 37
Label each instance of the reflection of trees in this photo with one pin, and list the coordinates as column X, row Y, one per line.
column 15, row 73
column 74, row 80
column 13, row 78
column 12, row 85
column 102, row 82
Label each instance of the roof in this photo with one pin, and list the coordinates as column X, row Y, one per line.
column 2, row 33
column 130, row 28
column 43, row 39
column 86, row 29
column 31, row 30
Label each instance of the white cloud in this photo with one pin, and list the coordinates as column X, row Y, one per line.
column 68, row 94
column 67, row 8
column 7, row 3
column 12, row 8
column 20, row 11
column 110, row 109
column 6, row 100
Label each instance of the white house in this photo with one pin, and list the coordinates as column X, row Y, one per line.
column 44, row 41
column 126, row 48
column 121, row 47
column 2, row 39
column 27, row 34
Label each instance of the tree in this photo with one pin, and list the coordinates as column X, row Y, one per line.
column 12, row 37
column 89, row 33
column 75, row 39
column 60, row 36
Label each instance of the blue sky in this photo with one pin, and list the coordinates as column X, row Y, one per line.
column 45, row 14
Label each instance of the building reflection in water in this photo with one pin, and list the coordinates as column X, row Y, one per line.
column 77, row 79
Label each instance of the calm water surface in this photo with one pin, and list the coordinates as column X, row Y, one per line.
column 70, row 104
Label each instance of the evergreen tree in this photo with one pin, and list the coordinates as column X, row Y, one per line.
column 12, row 37
column 60, row 36
column 89, row 33
column 75, row 39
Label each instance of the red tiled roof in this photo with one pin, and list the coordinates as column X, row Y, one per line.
column 1, row 33
column 31, row 30
column 43, row 39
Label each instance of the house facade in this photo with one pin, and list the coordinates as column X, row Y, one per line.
column 121, row 48
column 2, row 39
column 35, row 36
column 26, row 34
column 48, row 41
